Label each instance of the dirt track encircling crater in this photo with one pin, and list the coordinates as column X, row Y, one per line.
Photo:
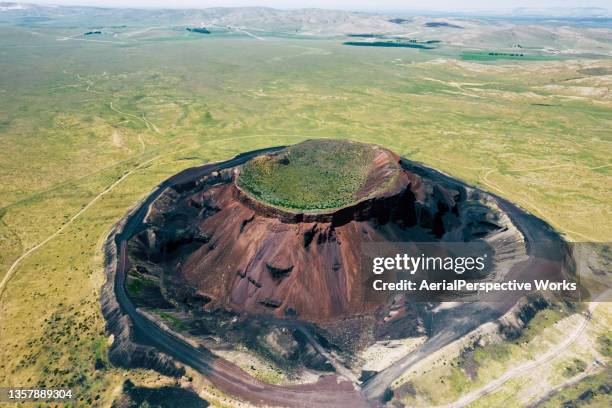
column 211, row 250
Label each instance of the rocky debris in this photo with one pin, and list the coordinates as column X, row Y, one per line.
column 512, row 325
column 246, row 221
column 124, row 352
column 196, row 300
column 164, row 203
column 271, row 303
column 196, row 204
column 281, row 342
column 164, row 241
column 309, row 235
column 279, row 272
column 211, row 179
column 208, row 209
column 309, row 356
column 161, row 397
column 366, row 375
column 254, row 282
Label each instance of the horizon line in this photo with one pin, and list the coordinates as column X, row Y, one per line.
column 537, row 11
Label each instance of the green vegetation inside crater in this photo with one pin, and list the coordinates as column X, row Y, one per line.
column 313, row 175
column 137, row 283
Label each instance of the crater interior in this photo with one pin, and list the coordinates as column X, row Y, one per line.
column 319, row 175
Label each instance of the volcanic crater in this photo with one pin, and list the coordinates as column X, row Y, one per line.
column 282, row 234
column 266, row 251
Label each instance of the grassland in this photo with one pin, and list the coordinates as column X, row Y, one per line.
column 463, row 369
column 88, row 128
column 313, row 175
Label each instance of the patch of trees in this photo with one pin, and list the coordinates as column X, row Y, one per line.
column 199, row 30
column 504, row 54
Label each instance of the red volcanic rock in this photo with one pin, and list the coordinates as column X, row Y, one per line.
column 220, row 243
column 268, row 265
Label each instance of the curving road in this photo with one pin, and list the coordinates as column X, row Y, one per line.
column 514, row 372
column 450, row 324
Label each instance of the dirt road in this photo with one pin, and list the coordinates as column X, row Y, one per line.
column 450, row 324
column 514, row 372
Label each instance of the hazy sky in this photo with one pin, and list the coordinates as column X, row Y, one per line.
column 446, row 5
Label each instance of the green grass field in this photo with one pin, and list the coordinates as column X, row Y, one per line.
column 314, row 175
column 89, row 128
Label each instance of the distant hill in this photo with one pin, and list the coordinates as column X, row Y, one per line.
column 563, row 12
column 572, row 31
column 303, row 21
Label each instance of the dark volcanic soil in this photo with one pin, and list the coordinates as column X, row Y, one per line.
column 225, row 269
